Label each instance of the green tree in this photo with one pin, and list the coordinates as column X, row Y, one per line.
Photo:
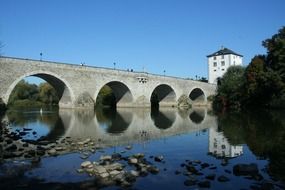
column 263, row 82
column 106, row 97
column 230, row 90
column 47, row 94
column 276, row 52
column 24, row 90
column 276, row 62
column 25, row 94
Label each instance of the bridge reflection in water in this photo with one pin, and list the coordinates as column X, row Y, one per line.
column 127, row 125
column 123, row 126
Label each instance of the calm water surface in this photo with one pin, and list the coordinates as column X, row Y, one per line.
column 221, row 141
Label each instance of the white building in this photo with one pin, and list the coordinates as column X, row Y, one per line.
column 220, row 61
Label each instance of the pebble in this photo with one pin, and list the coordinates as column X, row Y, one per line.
column 103, row 175
column 59, row 148
column 190, row 182
column 158, row 158
column 106, row 158
column 134, row 173
column 129, row 147
column 85, row 164
column 100, row 169
column 223, row 178
column 115, row 173
column 211, row 177
column 133, row 160
column 52, row 151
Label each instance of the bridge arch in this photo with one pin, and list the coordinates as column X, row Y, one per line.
column 163, row 95
column 197, row 96
column 122, row 93
column 62, row 87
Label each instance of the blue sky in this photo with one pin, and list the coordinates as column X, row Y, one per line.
column 170, row 35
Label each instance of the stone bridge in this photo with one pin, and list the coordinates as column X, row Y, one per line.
column 78, row 86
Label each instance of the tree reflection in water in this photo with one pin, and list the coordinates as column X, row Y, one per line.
column 262, row 131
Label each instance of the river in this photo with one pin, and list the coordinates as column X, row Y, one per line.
column 229, row 151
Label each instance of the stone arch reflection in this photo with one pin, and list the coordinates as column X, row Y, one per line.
column 114, row 121
column 198, row 115
column 36, row 126
column 163, row 118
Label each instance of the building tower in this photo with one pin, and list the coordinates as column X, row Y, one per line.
column 220, row 61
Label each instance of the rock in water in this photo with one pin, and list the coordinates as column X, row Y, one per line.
column 245, row 169
column 223, row 178
column 211, row 176
column 158, row 158
column 85, row 164
column 190, row 182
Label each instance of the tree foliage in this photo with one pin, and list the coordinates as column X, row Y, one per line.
column 261, row 84
column 230, row 90
column 47, row 94
column 25, row 94
column 106, row 97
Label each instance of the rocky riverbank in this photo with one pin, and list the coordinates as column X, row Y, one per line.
column 15, row 147
column 120, row 170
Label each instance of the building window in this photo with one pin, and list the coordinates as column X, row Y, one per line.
column 223, row 63
column 215, row 57
column 223, row 69
column 215, row 64
column 215, row 70
column 223, row 57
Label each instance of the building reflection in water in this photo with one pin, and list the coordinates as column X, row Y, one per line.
column 220, row 147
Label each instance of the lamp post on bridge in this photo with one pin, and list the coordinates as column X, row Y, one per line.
column 164, row 72
column 114, row 65
column 41, row 56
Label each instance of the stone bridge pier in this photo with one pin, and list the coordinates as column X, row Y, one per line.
column 78, row 86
